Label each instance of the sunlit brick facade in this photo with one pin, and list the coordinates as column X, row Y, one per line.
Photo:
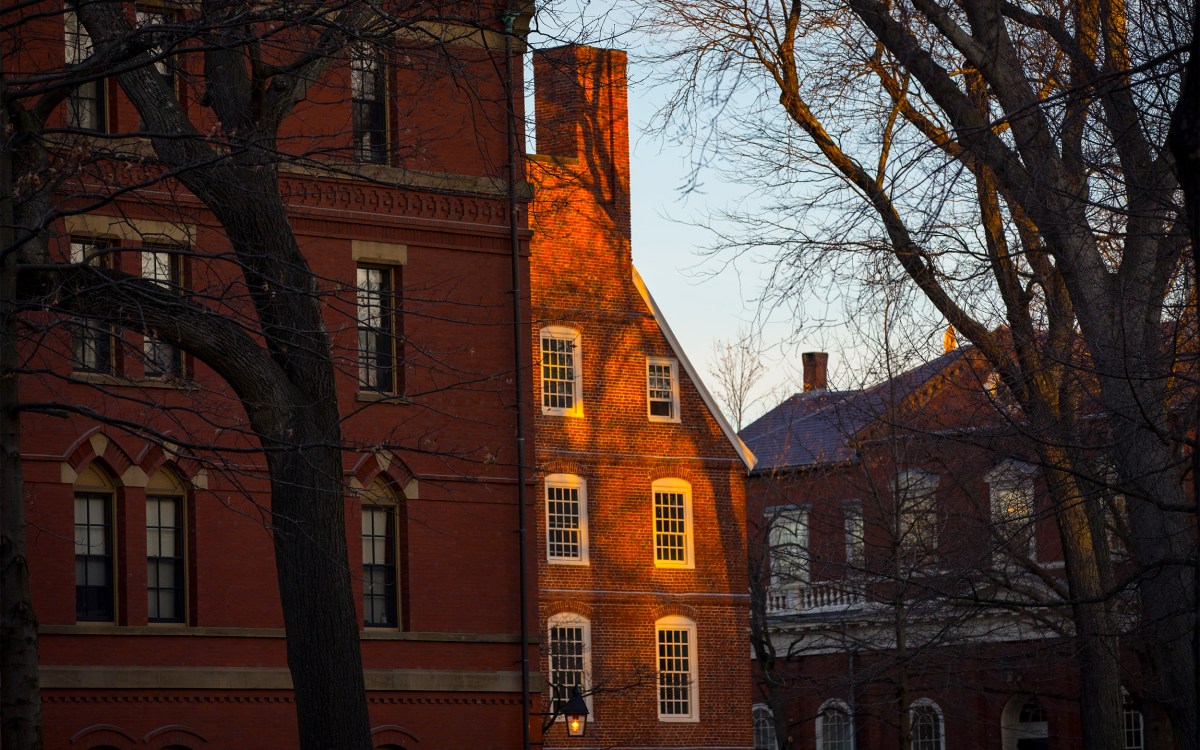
column 640, row 491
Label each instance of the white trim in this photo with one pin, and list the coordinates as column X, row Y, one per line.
column 742, row 449
column 674, row 486
column 673, row 365
column 1012, row 477
column 676, row 623
column 941, row 720
column 565, row 620
column 762, row 712
column 789, row 527
column 841, row 706
column 562, row 333
column 579, row 484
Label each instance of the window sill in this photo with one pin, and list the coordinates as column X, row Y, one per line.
column 664, row 420
column 679, row 719
column 572, row 563
column 674, row 566
column 103, row 378
column 369, row 397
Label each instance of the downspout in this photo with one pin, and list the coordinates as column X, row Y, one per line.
column 520, row 334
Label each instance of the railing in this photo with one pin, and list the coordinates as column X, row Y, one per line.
column 813, row 598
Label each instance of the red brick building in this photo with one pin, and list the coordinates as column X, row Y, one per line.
column 909, row 572
column 149, row 539
column 641, row 525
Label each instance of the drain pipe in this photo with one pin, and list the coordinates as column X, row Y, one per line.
column 520, row 334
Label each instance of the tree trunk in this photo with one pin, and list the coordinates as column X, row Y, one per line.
column 20, row 704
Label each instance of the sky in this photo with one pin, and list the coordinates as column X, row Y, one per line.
column 706, row 299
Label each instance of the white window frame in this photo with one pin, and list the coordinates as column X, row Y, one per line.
column 675, row 623
column 834, row 705
column 916, row 504
column 673, row 400
column 562, row 333
column 789, row 531
column 855, row 529
column 763, row 719
column 568, row 620
column 1004, row 480
column 162, row 264
column 941, row 721
column 579, row 484
column 673, row 486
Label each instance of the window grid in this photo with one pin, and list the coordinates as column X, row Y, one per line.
column 1135, row 738
column 93, row 343
column 674, row 672
column 162, row 266
column 564, row 538
column 368, row 97
column 560, row 374
column 662, row 390
column 836, row 730
column 670, row 527
column 856, row 541
column 93, row 557
column 376, row 330
column 764, row 729
column 85, row 104
column 379, row 566
column 926, row 727
column 164, row 559
column 789, row 546
column 568, row 647
column 916, row 496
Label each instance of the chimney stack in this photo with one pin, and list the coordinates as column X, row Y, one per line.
column 815, row 366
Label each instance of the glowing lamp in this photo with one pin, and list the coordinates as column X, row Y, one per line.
column 576, row 712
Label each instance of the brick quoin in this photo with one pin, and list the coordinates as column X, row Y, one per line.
column 582, row 278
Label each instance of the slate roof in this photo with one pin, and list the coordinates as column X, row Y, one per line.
column 818, row 427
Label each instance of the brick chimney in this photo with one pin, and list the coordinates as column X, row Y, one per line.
column 582, row 111
column 815, row 366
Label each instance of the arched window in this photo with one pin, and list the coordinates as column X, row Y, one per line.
column 94, row 542
column 380, row 513
column 569, row 654
column 1023, row 722
column 677, row 689
column 166, row 506
column 764, row 728
column 835, row 726
column 672, row 524
column 926, row 725
column 566, row 520
column 1133, row 723
column 562, row 372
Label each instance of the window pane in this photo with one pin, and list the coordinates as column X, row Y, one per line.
column 379, row 566
column 670, row 527
column 674, row 672
column 375, row 329
column 563, row 538
column 164, row 558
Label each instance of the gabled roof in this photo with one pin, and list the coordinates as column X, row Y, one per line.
column 740, row 447
column 819, row 427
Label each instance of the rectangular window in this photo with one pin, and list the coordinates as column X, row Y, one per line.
column 566, row 519
column 376, row 330
column 162, row 266
column 789, row 546
column 368, row 97
column 568, row 644
column 662, row 389
column 154, row 21
column 916, row 500
column 379, row 566
column 86, row 104
column 93, row 342
column 164, row 558
column 1010, row 485
column 856, row 541
column 561, row 372
column 676, row 670
column 93, row 557
column 672, row 525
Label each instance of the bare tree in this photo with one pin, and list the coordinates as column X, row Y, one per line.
column 737, row 368
column 261, row 326
column 1007, row 159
